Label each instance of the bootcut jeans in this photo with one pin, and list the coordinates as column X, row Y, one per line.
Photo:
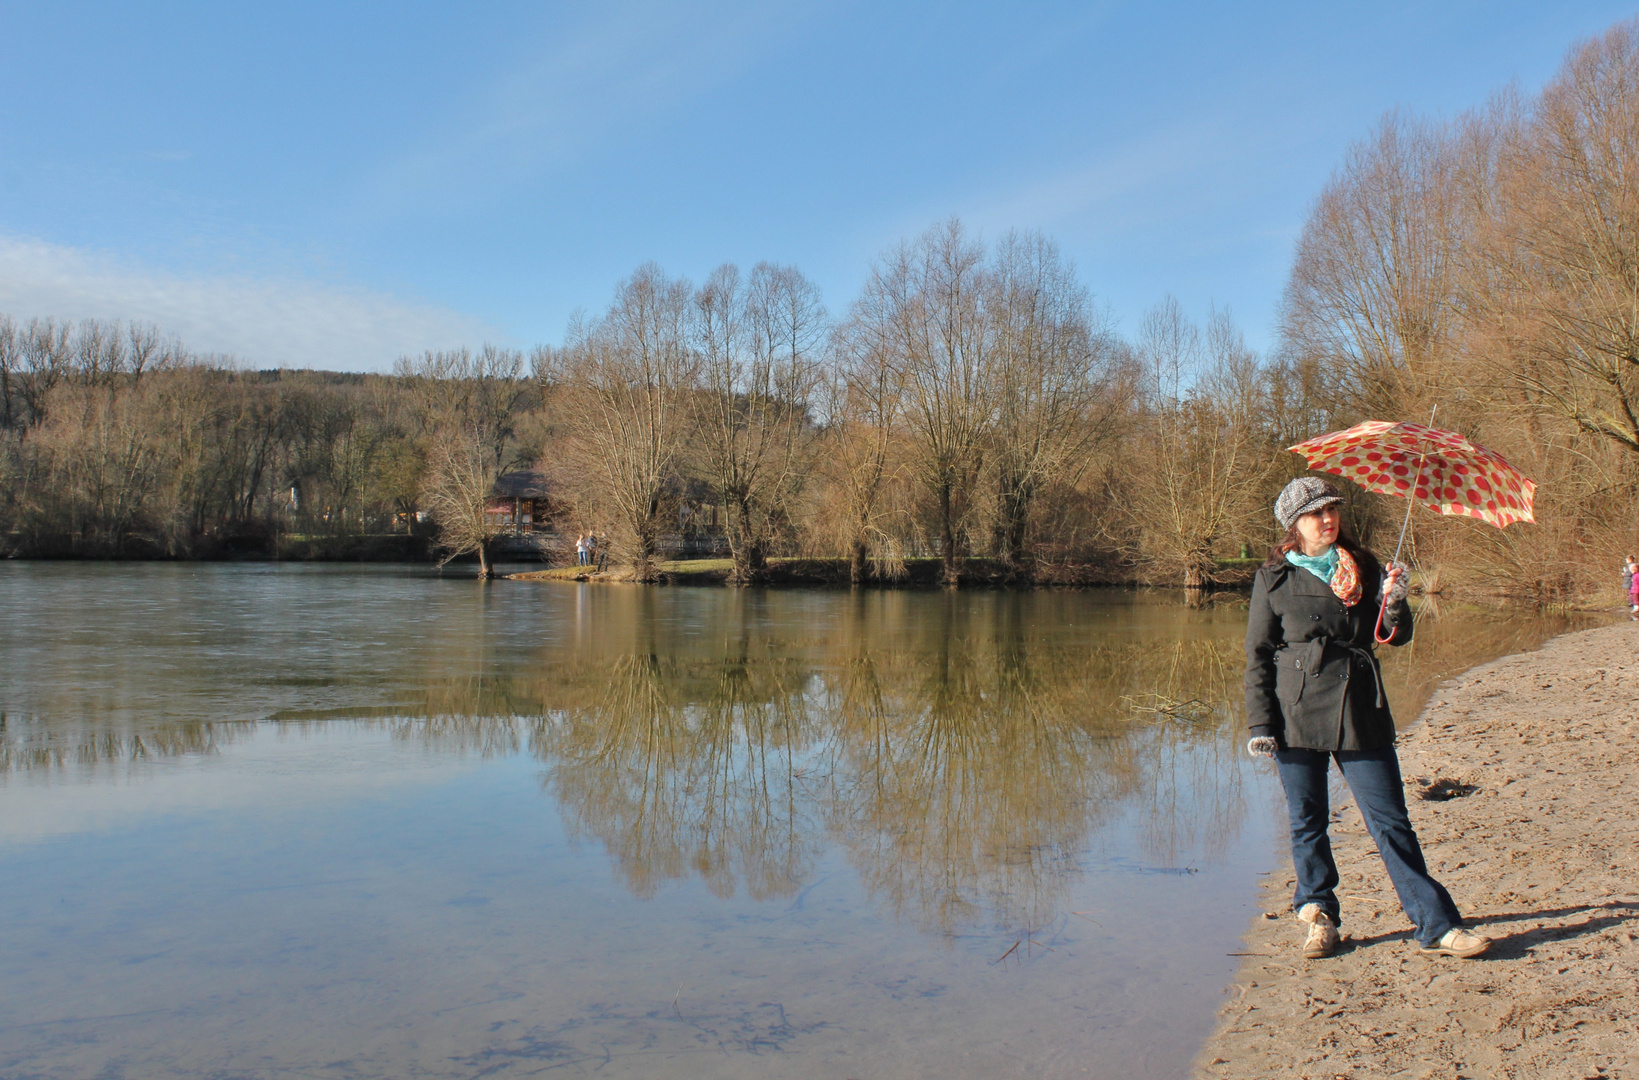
column 1374, row 777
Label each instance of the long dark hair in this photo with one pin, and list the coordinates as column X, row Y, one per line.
column 1293, row 541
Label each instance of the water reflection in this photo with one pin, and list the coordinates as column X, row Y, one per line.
column 963, row 763
column 683, row 766
column 27, row 743
column 271, row 821
column 965, row 751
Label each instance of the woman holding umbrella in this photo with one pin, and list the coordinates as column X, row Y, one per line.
column 1314, row 694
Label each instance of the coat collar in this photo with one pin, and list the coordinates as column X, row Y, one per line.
column 1303, row 583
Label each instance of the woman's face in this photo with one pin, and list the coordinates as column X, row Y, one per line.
column 1318, row 529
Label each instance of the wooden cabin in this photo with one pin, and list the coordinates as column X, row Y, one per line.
column 521, row 502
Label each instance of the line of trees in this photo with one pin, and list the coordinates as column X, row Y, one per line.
column 1489, row 265
column 973, row 402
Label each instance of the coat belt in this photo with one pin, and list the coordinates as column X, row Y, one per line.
column 1312, row 654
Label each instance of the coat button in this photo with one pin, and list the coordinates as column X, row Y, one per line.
column 1315, row 617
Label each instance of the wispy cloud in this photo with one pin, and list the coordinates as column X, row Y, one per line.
column 1071, row 195
column 263, row 322
column 625, row 66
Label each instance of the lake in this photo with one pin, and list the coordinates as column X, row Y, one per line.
column 338, row 821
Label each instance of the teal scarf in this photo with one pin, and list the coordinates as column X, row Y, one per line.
column 1322, row 566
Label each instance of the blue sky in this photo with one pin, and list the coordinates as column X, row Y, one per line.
column 334, row 184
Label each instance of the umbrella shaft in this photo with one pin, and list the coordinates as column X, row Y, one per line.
column 1403, row 525
column 1411, row 496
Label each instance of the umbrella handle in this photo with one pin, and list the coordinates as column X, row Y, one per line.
column 1377, row 631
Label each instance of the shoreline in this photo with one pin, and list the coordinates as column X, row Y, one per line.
column 802, row 572
column 1537, row 837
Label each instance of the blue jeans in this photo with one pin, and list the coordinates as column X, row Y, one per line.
column 1374, row 777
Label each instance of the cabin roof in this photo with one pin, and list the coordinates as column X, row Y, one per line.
column 523, row 484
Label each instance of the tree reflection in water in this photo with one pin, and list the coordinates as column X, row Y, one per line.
column 969, row 768
column 964, row 750
column 89, row 744
column 963, row 765
column 682, row 766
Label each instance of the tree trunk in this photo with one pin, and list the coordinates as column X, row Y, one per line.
column 750, row 557
column 951, row 573
column 856, row 563
column 1015, row 513
column 755, row 568
column 1198, row 570
column 643, row 565
column 484, row 571
column 646, row 530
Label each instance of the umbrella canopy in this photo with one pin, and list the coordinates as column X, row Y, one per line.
column 1440, row 469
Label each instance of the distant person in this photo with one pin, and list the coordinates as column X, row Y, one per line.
column 1631, row 574
column 580, row 550
column 591, row 549
column 1314, row 695
column 1628, row 570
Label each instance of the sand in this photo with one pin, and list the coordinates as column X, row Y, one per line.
column 1540, row 848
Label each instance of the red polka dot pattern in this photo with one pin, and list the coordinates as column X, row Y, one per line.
column 1443, row 470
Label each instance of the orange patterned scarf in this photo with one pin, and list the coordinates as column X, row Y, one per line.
column 1346, row 579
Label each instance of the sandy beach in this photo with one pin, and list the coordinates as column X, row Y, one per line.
column 1520, row 780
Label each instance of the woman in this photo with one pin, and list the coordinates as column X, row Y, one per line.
column 1314, row 694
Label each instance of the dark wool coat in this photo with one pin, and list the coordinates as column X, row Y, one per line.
column 1312, row 677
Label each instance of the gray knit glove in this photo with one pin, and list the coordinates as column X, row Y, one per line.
column 1261, row 746
column 1402, row 585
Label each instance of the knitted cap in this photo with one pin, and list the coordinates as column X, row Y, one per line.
column 1302, row 496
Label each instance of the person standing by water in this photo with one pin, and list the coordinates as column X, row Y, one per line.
column 1630, row 570
column 580, row 549
column 1314, row 695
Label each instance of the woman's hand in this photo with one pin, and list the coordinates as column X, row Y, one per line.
column 1396, row 583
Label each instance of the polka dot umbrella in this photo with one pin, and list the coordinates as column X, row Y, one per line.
column 1440, row 469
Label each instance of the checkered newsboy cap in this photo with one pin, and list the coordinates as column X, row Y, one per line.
column 1302, row 496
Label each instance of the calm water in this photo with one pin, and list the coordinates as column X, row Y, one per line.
column 268, row 821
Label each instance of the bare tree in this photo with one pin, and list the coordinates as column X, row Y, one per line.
column 759, row 353
column 624, row 385
column 929, row 298
column 1564, row 255
column 863, row 398
column 1059, row 387
column 11, row 374
column 1203, row 460
column 1370, row 294
column 456, row 489
column 468, row 405
column 46, row 356
column 479, row 393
